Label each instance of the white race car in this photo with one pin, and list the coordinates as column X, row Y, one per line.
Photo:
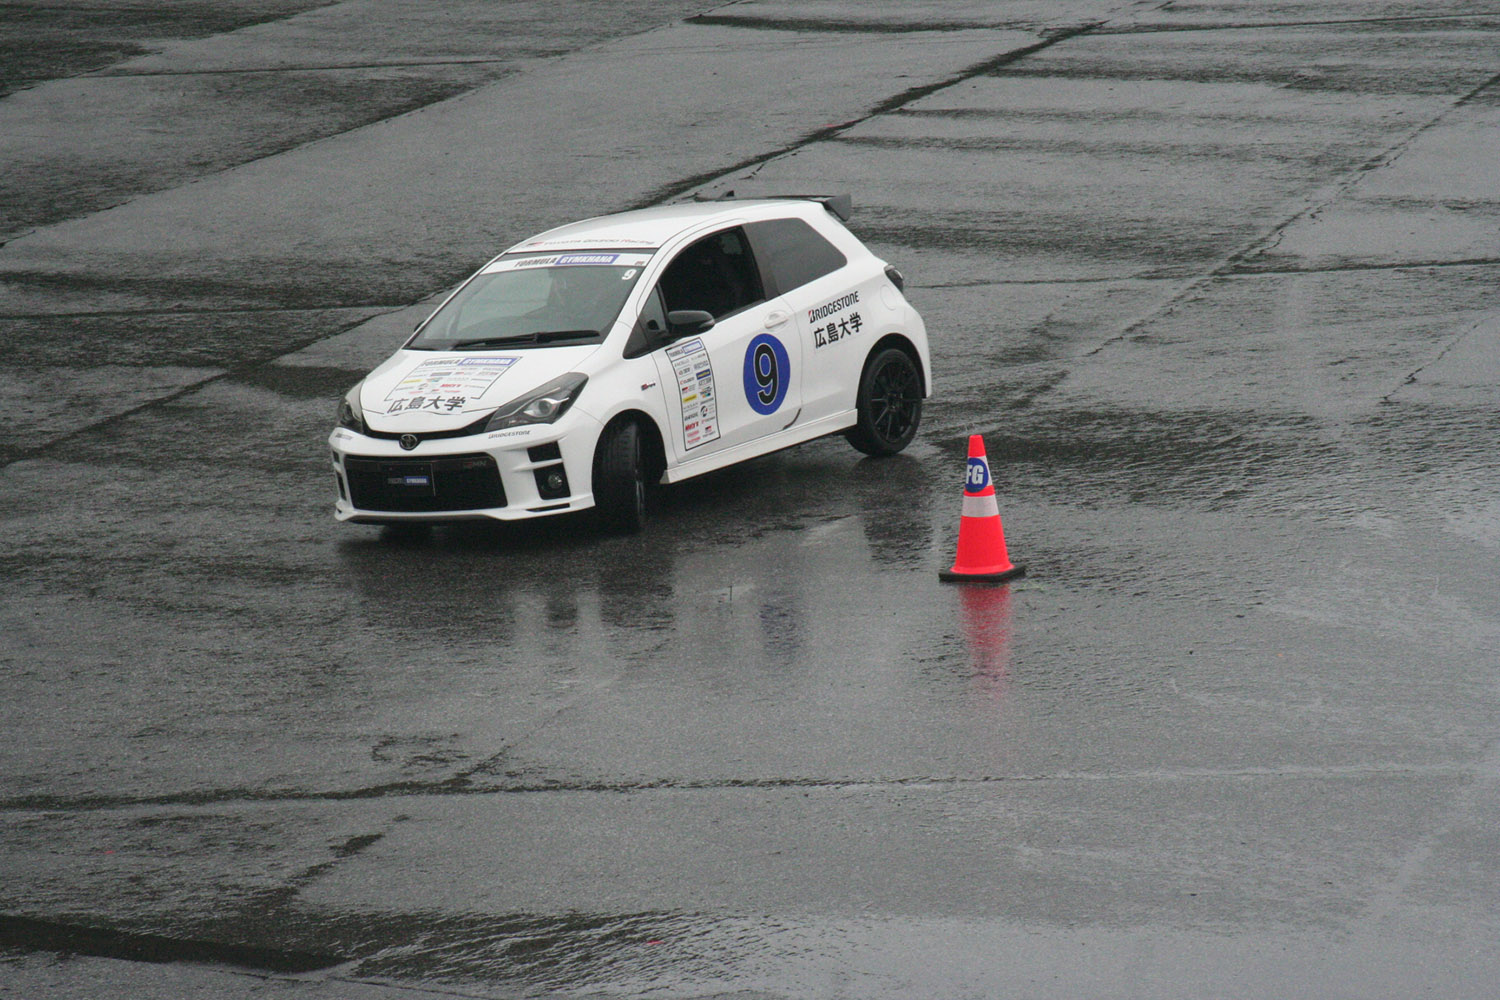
column 594, row 359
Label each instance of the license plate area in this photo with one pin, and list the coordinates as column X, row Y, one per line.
column 409, row 479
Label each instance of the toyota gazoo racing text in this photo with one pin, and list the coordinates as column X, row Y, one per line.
column 589, row 362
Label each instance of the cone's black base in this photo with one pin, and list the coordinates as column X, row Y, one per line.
column 948, row 576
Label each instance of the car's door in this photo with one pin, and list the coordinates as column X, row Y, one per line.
column 739, row 380
column 829, row 307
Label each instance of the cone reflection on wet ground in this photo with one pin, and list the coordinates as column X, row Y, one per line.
column 985, row 614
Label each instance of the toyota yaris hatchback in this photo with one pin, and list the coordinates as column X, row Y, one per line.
column 592, row 360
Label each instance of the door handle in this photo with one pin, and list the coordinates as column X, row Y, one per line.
column 775, row 319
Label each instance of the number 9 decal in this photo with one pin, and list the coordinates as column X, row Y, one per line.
column 767, row 372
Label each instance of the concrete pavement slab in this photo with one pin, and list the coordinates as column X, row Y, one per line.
column 52, row 40
column 1232, row 736
column 196, row 106
column 461, row 161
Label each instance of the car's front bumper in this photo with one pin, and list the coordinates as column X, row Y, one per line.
column 508, row 475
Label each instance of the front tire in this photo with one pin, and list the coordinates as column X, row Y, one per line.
column 620, row 479
column 889, row 403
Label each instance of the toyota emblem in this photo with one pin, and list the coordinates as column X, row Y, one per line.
column 409, row 441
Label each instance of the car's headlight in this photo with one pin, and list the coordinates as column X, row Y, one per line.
column 541, row 406
column 351, row 415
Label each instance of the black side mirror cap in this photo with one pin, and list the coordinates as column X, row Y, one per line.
column 683, row 322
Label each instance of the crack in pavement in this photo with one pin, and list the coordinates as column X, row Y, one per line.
column 1411, row 379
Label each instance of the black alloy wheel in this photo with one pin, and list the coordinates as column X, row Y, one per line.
column 889, row 402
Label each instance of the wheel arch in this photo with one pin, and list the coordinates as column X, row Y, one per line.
column 653, row 445
column 904, row 344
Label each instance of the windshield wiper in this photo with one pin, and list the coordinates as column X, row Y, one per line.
column 537, row 337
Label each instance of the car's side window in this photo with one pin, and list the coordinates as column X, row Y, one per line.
column 794, row 252
column 653, row 313
column 716, row 274
column 650, row 325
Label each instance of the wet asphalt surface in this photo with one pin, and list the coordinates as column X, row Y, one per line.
column 1218, row 283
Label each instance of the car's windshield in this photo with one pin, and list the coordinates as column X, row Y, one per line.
column 541, row 300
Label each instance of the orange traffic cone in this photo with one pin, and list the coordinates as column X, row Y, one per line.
column 981, row 536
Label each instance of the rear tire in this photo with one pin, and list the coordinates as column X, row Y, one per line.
column 620, row 479
column 889, row 402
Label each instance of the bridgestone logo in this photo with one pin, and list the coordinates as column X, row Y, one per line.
column 837, row 305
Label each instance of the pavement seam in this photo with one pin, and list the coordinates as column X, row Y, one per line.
column 1232, row 265
column 1150, row 29
column 378, row 307
column 41, row 450
column 1405, row 265
column 125, row 74
column 831, row 26
column 682, row 187
column 408, row 989
column 457, row 786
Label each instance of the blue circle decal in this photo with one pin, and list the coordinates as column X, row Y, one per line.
column 767, row 372
column 977, row 475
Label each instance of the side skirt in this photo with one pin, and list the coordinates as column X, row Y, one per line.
column 764, row 446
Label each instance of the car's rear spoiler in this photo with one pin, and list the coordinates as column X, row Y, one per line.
column 841, row 205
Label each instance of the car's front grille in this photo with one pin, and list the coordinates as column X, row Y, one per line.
column 469, row 430
column 412, row 485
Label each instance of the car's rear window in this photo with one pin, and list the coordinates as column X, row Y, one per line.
column 524, row 300
column 794, row 252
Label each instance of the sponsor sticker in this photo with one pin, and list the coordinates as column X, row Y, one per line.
column 446, row 385
column 695, row 392
column 836, row 306
column 838, row 327
column 633, row 262
column 597, row 259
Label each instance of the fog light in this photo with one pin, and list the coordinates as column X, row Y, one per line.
column 551, row 482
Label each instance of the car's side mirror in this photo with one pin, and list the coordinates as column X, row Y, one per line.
column 684, row 322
